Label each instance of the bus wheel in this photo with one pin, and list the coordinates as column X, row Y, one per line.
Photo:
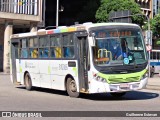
column 72, row 88
column 28, row 81
column 118, row 94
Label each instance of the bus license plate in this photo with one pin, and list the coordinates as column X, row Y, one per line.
column 124, row 85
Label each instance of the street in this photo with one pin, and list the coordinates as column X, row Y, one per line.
column 17, row 98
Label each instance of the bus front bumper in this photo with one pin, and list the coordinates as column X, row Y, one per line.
column 100, row 87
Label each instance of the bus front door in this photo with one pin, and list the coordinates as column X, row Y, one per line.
column 83, row 64
column 14, row 56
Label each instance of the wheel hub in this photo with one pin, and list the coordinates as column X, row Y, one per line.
column 73, row 87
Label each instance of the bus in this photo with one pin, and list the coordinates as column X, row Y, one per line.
column 86, row 58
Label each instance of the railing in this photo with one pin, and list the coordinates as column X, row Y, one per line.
column 155, row 60
column 29, row 7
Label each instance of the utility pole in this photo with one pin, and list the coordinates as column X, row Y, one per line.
column 57, row 14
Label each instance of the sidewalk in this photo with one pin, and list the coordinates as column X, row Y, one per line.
column 154, row 83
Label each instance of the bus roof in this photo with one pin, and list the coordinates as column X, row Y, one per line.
column 73, row 28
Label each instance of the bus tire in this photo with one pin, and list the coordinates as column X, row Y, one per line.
column 28, row 82
column 118, row 94
column 72, row 88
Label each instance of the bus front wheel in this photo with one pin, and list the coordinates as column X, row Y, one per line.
column 118, row 94
column 72, row 88
column 28, row 82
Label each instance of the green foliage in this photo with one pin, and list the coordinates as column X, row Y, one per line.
column 155, row 26
column 107, row 6
column 158, row 42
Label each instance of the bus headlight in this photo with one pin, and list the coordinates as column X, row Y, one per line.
column 145, row 75
column 100, row 79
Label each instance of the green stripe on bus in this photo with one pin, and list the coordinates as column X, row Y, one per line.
column 120, row 78
column 20, row 69
column 49, row 70
column 75, row 71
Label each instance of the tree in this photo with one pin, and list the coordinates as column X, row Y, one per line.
column 155, row 26
column 107, row 6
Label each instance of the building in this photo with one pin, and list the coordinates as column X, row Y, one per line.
column 146, row 7
column 16, row 16
column 156, row 7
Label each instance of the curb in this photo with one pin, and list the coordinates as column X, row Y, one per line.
column 153, row 87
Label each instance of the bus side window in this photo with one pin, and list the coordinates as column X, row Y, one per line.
column 44, row 47
column 44, row 53
column 24, row 53
column 34, row 52
column 23, row 48
column 58, row 52
column 33, row 47
column 55, row 49
column 68, row 46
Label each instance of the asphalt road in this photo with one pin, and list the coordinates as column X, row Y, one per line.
column 17, row 98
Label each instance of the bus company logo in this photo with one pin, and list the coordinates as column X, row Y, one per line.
column 29, row 65
column 6, row 114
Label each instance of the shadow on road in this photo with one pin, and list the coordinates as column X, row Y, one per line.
column 46, row 90
column 131, row 95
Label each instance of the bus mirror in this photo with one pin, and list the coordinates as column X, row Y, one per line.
column 93, row 41
column 82, row 34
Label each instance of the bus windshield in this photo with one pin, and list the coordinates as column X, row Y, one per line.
column 123, row 46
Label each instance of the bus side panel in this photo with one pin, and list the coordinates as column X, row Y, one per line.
column 58, row 82
column 72, row 69
column 57, row 76
column 32, row 67
column 59, row 69
column 18, row 70
column 44, row 67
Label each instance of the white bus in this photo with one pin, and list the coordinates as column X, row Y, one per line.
column 87, row 58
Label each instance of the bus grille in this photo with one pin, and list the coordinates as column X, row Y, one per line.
column 124, row 80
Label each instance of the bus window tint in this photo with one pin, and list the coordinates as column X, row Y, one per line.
column 43, row 52
column 24, row 53
column 33, row 42
column 34, row 52
column 24, row 50
column 43, row 42
column 43, row 47
column 68, row 46
column 55, row 49
column 33, row 47
column 114, row 46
